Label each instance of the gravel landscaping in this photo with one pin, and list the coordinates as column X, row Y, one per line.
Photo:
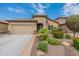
column 65, row 49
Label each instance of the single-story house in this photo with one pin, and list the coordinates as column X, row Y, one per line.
column 61, row 21
column 65, row 29
column 27, row 26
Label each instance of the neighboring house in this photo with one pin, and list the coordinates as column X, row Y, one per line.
column 64, row 27
column 3, row 27
column 61, row 21
column 29, row 26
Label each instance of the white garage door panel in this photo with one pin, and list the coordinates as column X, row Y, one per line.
column 22, row 29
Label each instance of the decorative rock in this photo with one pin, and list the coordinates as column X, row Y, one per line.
column 39, row 53
column 65, row 43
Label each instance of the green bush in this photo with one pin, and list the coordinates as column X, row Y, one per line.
column 43, row 34
column 43, row 46
column 58, row 34
column 59, row 29
column 56, row 29
column 52, row 31
column 54, row 41
column 67, row 36
column 76, row 43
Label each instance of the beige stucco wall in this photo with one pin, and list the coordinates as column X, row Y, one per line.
column 41, row 20
column 50, row 22
column 22, row 26
column 3, row 28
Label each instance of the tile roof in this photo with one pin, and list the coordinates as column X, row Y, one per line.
column 22, row 20
column 52, row 20
column 4, row 22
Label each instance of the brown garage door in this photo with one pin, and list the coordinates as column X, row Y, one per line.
column 22, row 29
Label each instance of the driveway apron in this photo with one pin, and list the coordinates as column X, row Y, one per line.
column 11, row 45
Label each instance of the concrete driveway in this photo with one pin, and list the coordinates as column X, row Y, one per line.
column 12, row 45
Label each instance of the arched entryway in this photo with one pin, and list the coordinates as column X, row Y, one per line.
column 39, row 25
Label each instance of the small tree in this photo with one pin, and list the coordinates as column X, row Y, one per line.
column 73, row 23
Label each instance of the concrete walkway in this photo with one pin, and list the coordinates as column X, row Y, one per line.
column 12, row 45
column 61, row 51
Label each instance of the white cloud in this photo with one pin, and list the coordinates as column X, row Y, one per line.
column 17, row 10
column 70, row 9
column 40, row 8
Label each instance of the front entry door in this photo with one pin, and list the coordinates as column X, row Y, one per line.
column 40, row 25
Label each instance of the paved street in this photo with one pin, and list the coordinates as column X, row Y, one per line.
column 12, row 45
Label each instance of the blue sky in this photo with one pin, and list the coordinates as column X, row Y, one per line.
column 24, row 10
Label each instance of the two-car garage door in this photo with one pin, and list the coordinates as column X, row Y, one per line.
column 22, row 29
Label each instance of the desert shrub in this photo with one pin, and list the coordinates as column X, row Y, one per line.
column 43, row 34
column 58, row 34
column 67, row 36
column 52, row 31
column 43, row 46
column 76, row 43
column 54, row 41
column 59, row 29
